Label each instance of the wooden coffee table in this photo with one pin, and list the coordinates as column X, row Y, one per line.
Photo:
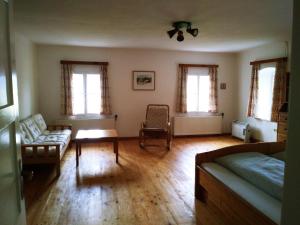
column 94, row 136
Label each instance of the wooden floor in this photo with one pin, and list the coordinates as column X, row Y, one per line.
column 148, row 187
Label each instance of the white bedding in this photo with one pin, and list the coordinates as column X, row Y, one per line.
column 265, row 203
column 261, row 170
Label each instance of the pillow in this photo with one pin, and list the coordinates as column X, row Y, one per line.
column 33, row 128
column 26, row 137
column 39, row 120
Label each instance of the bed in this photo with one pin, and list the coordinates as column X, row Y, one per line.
column 231, row 199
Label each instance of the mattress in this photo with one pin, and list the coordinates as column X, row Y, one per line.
column 268, row 205
column 263, row 171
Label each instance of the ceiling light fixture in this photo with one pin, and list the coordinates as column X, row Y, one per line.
column 180, row 25
column 171, row 33
column 180, row 36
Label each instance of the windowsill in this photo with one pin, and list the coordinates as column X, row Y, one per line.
column 197, row 114
column 262, row 120
column 89, row 117
column 265, row 120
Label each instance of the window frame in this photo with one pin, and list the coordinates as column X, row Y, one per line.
column 200, row 74
column 264, row 66
column 85, row 74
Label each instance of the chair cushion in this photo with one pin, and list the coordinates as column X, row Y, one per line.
column 157, row 118
column 26, row 137
column 39, row 120
column 33, row 128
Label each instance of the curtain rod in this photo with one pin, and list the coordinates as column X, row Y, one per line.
column 199, row 65
column 269, row 60
column 82, row 62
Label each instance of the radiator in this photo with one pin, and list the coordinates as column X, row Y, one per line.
column 241, row 130
column 197, row 125
column 103, row 123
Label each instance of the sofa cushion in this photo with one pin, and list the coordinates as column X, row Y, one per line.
column 65, row 131
column 26, row 137
column 33, row 128
column 61, row 139
column 40, row 122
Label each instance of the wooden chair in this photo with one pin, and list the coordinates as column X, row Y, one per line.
column 157, row 124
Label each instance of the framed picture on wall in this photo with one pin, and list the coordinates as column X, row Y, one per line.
column 143, row 80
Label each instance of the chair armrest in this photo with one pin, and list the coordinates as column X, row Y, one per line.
column 59, row 126
column 142, row 125
column 169, row 126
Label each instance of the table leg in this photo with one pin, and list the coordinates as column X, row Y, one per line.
column 80, row 149
column 77, row 154
column 116, row 150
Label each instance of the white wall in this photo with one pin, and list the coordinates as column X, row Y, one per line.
column 262, row 130
column 128, row 104
column 26, row 67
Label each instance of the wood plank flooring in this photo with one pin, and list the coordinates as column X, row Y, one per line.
column 147, row 187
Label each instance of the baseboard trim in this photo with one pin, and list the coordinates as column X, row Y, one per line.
column 125, row 138
column 182, row 136
column 128, row 138
column 201, row 135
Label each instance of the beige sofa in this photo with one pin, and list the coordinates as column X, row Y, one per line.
column 42, row 144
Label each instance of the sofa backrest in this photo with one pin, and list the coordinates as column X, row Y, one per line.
column 40, row 122
column 26, row 137
column 31, row 128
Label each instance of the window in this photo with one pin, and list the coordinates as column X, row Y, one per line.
column 266, row 77
column 198, row 84
column 268, row 89
column 86, row 90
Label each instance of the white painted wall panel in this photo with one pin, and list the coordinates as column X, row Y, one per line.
column 131, row 105
column 260, row 129
column 197, row 125
column 26, row 66
column 107, row 123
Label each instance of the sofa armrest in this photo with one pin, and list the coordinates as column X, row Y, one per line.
column 59, row 126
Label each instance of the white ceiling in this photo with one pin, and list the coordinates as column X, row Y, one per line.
column 224, row 25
